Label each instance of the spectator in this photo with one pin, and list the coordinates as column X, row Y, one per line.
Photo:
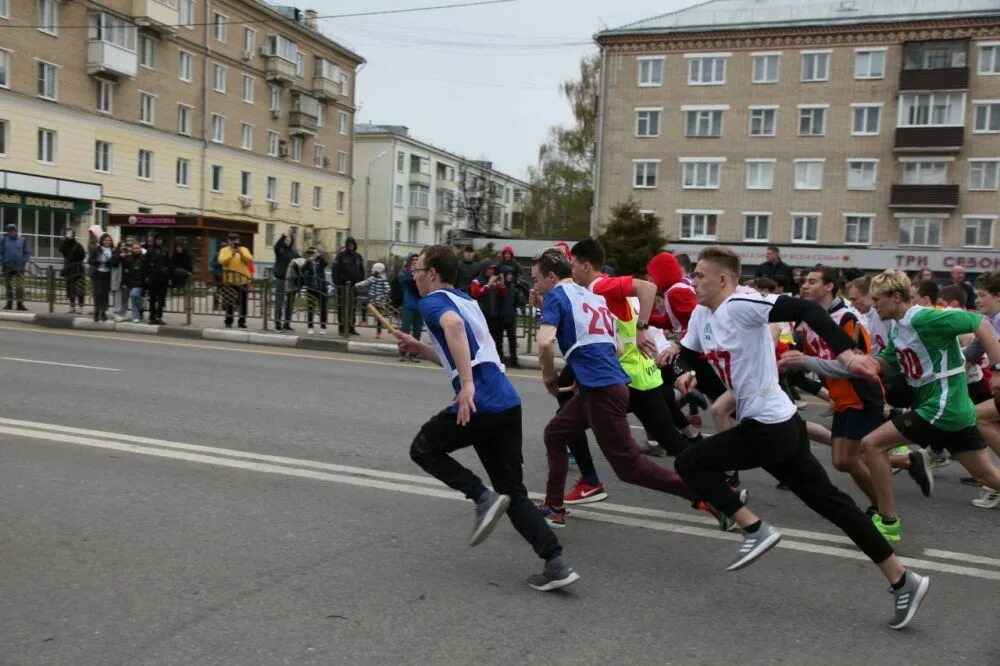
column 312, row 274
column 774, row 268
column 468, row 269
column 924, row 292
column 348, row 269
column 284, row 252
column 102, row 259
column 412, row 323
column 215, row 268
column 74, row 256
column 235, row 262
column 508, row 317
column 798, row 278
column 923, row 274
column 157, row 265
column 134, row 279
column 489, row 289
column 119, row 293
column 958, row 279
column 377, row 287
column 14, row 256
column 181, row 266
column 685, row 263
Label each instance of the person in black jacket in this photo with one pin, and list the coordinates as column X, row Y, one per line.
column 312, row 275
column 157, row 278
column 134, row 279
column 348, row 269
column 181, row 266
column 774, row 268
column 284, row 252
column 74, row 256
column 468, row 270
column 102, row 259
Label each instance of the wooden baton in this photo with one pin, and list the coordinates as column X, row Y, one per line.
column 378, row 315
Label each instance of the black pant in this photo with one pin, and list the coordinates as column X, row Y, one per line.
column 497, row 440
column 345, row 312
column 231, row 295
column 157, row 300
column 74, row 290
column 315, row 299
column 101, row 286
column 507, row 326
column 14, row 282
column 676, row 413
column 782, row 450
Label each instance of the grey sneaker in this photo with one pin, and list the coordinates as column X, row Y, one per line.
column 557, row 573
column 489, row 510
column 939, row 460
column 755, row 545
column 908, row 599
column 920, row 471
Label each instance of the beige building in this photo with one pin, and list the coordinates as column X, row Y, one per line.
column 192, row 118
column 853, row 132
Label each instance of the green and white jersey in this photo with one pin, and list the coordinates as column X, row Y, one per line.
column 923, row 346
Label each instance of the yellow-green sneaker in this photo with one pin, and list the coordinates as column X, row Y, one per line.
column 900, row 450
column 890, row 532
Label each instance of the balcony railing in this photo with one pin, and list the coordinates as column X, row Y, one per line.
column 952, row 78
column 279, row 70
column 301, row 124
column 108, row 58
column 159, row 15
column 924, row 196
column 929, row 139
column 324, row 88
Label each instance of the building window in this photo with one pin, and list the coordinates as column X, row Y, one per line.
column 411, row 231
column 765, row 67
column 343, row 123
column 48, row 16
column 707, row 71
column 644, row 173
column 699, row 225
column 105, row 95
column 46, row 146
column 274, row 99
column 858, row 229
column 987, row 117
column 760, row 174
column 183, row 172
column 248, row 89
column 400, row 162
column 218, row 128
column 221, row 22
column 318, row 155
column 269, row 233
column 703, row 122
column 866, row 119
column 979, row 231
column 925, row 173
column 147, row 108
column 341, row 162
column 763, row 120
column 47, row 81
column 647, row 122
column 399, row 195
column 317, row 197
column 216, row 178
column 300, row 63
column 920, row 231
column 815, row 66
column 805, row 227
column 184, row 119
column 272, row 189
column 808, row 174
column 102, row 156
column 4, row 138
column 861, row 174
column 185, row 67
column 4, row 68
column 650, row 71
column 812, row 120
column 397, row 234
column 147, row 52
column 186, row 10
column 112, row 30
column 273, row 143
column 345, row 85
column 321, row 115
column 701, row 175
column 145, row 164
column 936, row 54
column 420, row 196
column 869, row 64
column 4, row 9
column 340, row 202
column 297, row 148
column 983, row 174
column 931, row 109
column 218, row 78
column 249, row 41
column 756, row 226
column 294, row 196
column 246, row 183
column 246, row 135
column 101, row 211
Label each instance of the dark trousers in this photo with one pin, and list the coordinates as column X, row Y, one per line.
column 604, row 411
column 234, row 295
column 782, row 450
column 74, row 290
column 497, row 441
column 157, row 299
column 14, row 282
column 314, row 300
column 101, row 286
column 507, row 326
column 282, row 304
column 676, row 413
column 346, row 312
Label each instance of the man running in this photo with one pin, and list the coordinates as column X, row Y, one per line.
column 732, row 330
column 486, row 414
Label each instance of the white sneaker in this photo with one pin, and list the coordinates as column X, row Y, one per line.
column 136, row 321
column 988, row 498
column 311, row 331
column 322, row 331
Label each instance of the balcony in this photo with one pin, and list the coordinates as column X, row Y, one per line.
column 279, row 70
column 952, row 78
column 444, row 184
column 443, row 217
column 929, row 139
column 417, row 178
column 301, row 124
column 108, row 58
column 159, row 15
column 924, row 196
column 417, row 212
column 325, row 89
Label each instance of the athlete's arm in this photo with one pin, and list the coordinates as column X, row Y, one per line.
column 973, row 352
column 646, row 293
column 987, row 337
column 458, row 344
column 547, row 357
column 684, row 365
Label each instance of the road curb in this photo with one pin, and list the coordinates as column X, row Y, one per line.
column 23, row 317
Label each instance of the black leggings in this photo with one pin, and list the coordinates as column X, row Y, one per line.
column 101, row 285
column 782, row 450
column 157, row 300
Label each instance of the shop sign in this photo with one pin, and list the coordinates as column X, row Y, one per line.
column 44, row 203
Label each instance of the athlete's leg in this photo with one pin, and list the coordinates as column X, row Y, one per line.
column 847, row 458
column 654, row 415
column 722, row 412
column 578, row 445
column 819, row 434
column 569, row 422
column 874, row 448
column 988, row 420
column 980, row 466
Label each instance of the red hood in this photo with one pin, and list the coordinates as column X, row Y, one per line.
column 507, row 248
column 664, row 270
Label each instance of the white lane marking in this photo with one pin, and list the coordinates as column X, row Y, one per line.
column 65, row 365
column 971, row 559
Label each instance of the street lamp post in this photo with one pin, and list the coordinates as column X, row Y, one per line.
column 368, row 187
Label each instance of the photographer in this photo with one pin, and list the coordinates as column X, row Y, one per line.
column 489, row 289
column 235, row 261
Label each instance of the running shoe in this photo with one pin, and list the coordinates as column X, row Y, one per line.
column 939, row 460
column 489, row 510
column 908, row 599
column 988, row 498
column 900, row 450
column 556, row 574
column 733, row 479
column 695, row 420
column 754, row 545
column 891, row 532
column 726, row 523
column 920, row 471
column 584, row 493
column 556, row 518
column 968, row 481
column 651, row 448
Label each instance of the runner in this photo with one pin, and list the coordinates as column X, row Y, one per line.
column 922, row 345
column 486, row 414
column 732, row 330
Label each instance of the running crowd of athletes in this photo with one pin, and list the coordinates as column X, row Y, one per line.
column 911, row 374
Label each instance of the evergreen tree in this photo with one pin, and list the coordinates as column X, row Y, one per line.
column 631, row 239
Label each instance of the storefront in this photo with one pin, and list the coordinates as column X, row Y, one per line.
column 200, row 235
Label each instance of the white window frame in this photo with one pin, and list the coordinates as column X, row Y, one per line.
column 651, row 112
column 220, row 170
column 340, row 201
column 933, row 96
column 4, row 9
column 756, row 215
column 803, row 55
column 865, row 108
column 808, row 162
column 319, row 152
column 249, row 40
column 44, row 65
column 921, row 164
column 974, row 162
column 184, row 56
column 317, row 198
column 993, row 60
column 185, row 13
column 183, row 166
column 765, row 56
column 699, row 110
column 819, row 224
column 150, row 163
column 696, row 217
column 810, row 111
column 342, row 128
column 220, row 136
column 647, row 165
column 851, row 161
column 105, row 96
column 773, row 108
column 185, row 116
column 249, row 84
column 300, row 64
column 273, row 98
column 220, row 24
column 273, row 143
column 639, row 61
column 147, row 41
column 992, row 107
column 102, row 158
column 931, row 219
column 5, row 68
column 870, row 52
column 150, row 118
column 46, row 24
column 246, row 184
column 271, row 189
column 851, row 218
column 697, row 68
column 295, row 194
column 709, row 167
column 219, row 75
column 4, row 138
column 341, row 162
column 47, row 149
column 400, row 193
column 295, row 150
column 752, row 162
column 967, row 219
column 246, row 136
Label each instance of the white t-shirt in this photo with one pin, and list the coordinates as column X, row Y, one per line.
column 877, row 330
column 737, row 341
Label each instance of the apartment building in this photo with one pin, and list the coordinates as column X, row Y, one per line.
column 410, row 194
column 191, row 118
column 851, row 132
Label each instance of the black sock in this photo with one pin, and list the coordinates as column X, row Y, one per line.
column 900, row 583
column 889, row 521
column 750, row 529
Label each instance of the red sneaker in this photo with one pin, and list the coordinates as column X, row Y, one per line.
column 584, row 493
column 695, row 421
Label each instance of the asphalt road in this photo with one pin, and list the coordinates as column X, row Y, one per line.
column 234, row 505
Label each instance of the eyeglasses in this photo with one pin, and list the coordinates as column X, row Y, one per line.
column 417, row 270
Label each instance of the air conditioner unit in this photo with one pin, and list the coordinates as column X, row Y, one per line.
column 283, row 150
column 264, row 52
column 246, row 202
column 275, row 113
column 247, row 55
column 326, row 161
column 273, row 205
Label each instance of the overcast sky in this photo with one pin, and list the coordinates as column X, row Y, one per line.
column 478, row 81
